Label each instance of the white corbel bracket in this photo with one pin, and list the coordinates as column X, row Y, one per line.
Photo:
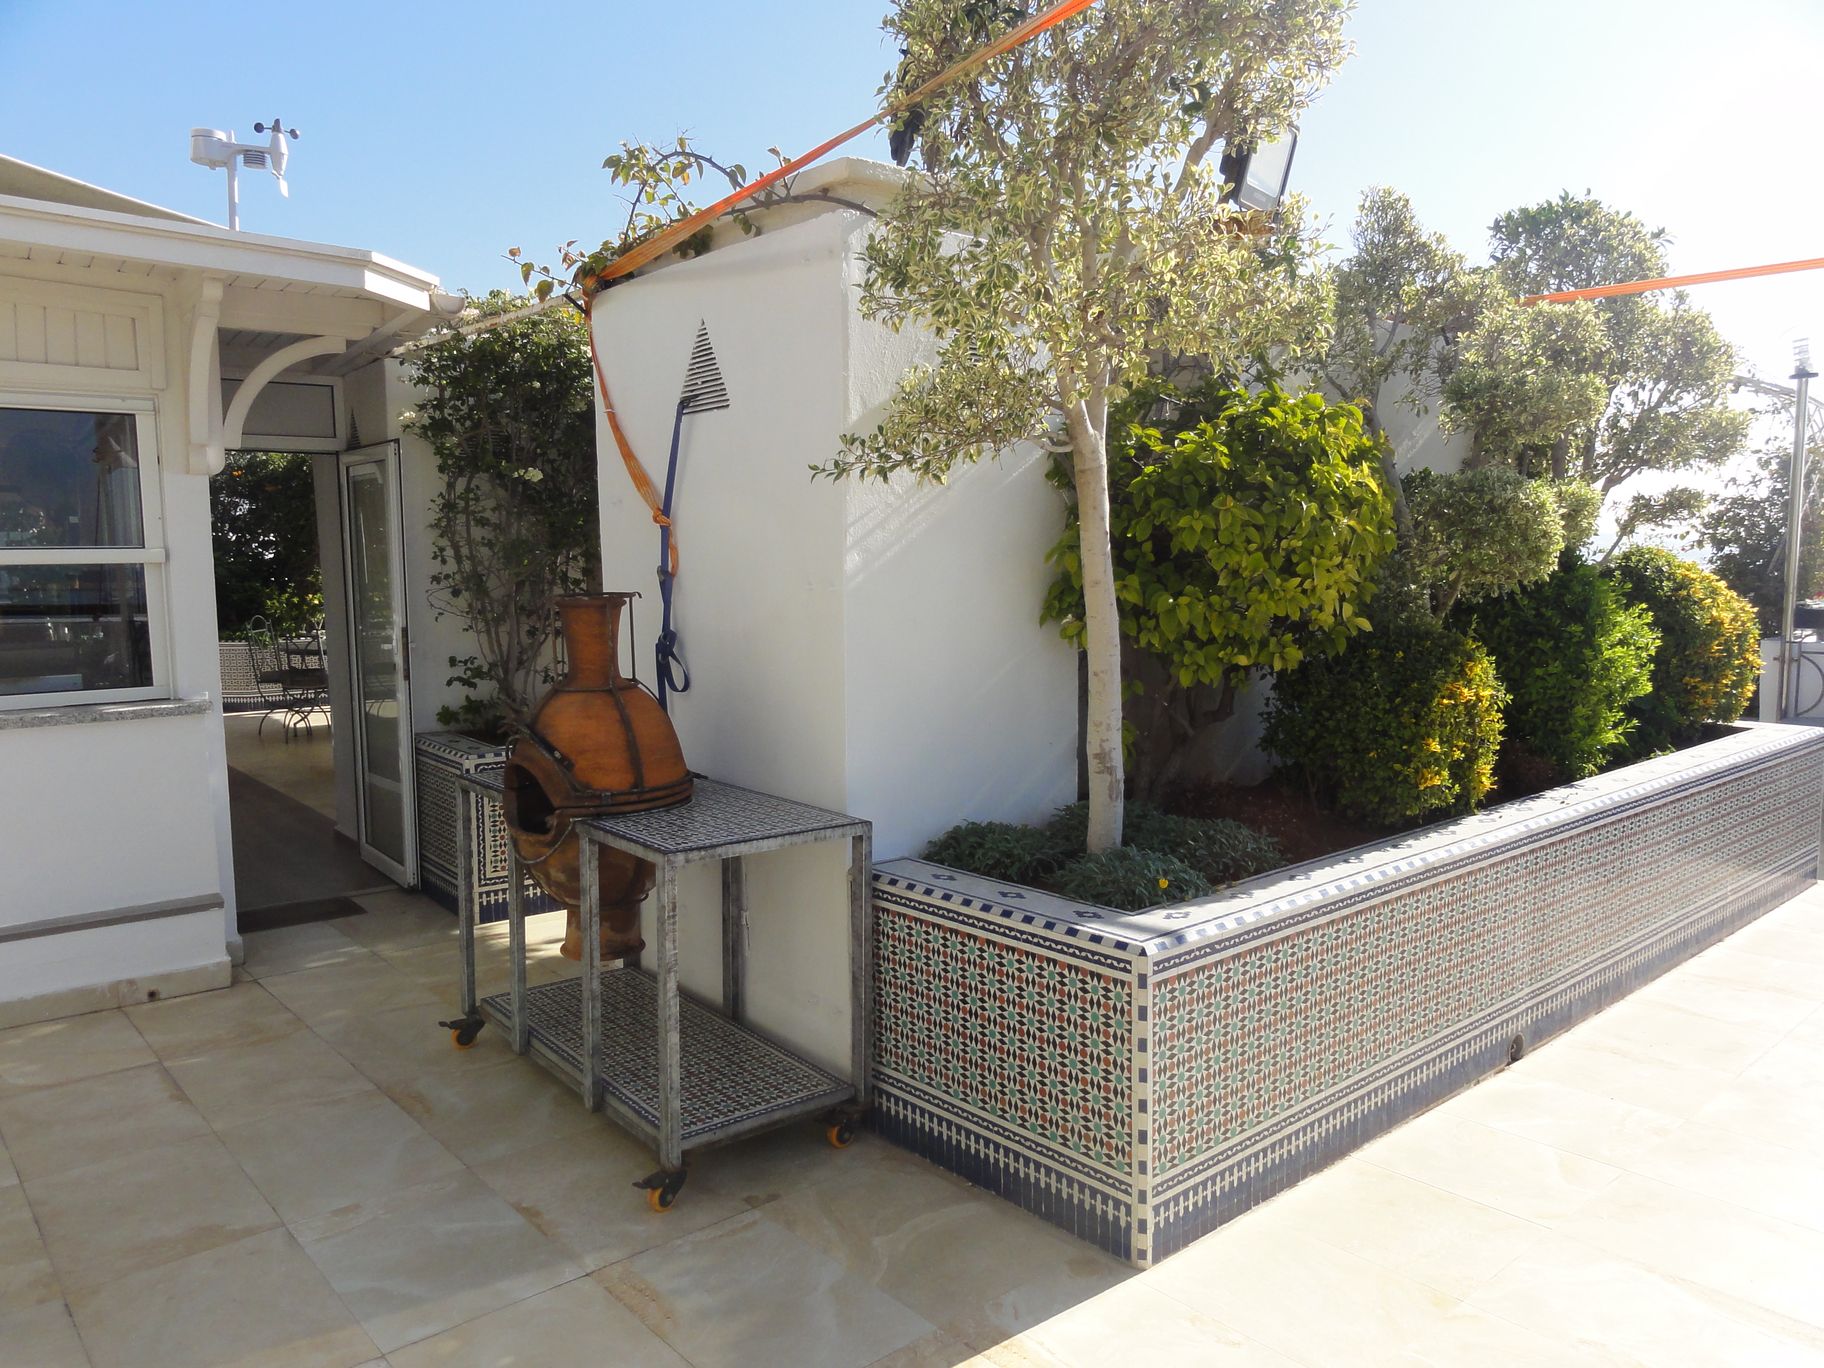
column 258, row 378
column 203, row 394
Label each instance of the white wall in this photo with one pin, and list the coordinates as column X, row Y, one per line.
column 109, row 815
column 101, row 816
column 874, row 649
column 963, row 705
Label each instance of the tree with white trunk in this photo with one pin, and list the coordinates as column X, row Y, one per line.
column 1066, row 229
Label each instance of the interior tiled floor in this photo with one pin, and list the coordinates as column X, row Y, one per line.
column 297, row 762
column 299, row 1170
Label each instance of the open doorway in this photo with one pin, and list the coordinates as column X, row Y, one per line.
column 280, row 667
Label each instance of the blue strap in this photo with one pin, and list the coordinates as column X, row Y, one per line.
column 673, row 674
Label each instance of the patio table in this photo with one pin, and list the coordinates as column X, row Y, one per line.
column 681, row 1072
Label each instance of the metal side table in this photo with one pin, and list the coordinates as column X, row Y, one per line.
column 679, row 1072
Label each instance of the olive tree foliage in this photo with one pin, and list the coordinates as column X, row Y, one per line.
column 1399, row 295
column 1523, row 377
column 1067, row 228
column 1671, row 513
column 1484, row 532
column 1664, row 370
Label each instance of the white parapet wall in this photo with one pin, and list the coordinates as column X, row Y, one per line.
column 873, row 648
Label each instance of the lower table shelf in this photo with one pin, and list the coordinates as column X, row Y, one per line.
column 732, row 1079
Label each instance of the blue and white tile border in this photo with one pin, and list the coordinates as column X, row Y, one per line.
column 1743, row 814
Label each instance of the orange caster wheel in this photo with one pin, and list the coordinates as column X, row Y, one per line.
column 662, row 1189
column 463, row 1031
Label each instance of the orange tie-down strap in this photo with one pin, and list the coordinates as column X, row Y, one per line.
column 663, row 242
column 1632, row 287
column 636, row 472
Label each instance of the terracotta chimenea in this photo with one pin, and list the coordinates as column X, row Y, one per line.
column 598, row 743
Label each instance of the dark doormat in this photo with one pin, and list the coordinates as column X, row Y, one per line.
column 298, row 913
column 286, row 853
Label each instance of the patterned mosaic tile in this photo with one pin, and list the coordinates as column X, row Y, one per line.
column 731, row 1074
column 1006, row 1029
column 1273, row 1023
column 1212, row 1055
column 441, row 758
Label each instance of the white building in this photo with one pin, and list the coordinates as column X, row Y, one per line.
column 137, row 346
column 873, row 648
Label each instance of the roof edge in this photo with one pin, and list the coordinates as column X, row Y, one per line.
column 25, row 180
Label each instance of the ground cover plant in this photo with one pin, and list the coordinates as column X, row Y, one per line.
column 1168, row 858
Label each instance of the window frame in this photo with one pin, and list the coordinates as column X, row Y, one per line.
column 151, row 556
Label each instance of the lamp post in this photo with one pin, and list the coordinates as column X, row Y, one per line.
column 1802, row 376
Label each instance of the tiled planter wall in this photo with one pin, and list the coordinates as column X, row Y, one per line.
column 441, row 758
column 1140, row 1079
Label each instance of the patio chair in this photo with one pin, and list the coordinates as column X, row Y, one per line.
column 304, row 678
column 290, row 677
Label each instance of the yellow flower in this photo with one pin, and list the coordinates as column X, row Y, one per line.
column 1165, row 883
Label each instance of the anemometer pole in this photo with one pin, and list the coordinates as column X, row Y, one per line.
column 1802, row 376
column 234, row 197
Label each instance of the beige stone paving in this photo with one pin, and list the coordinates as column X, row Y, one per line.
column 298, row 1170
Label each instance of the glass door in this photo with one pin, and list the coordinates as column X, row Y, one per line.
column 373, row 553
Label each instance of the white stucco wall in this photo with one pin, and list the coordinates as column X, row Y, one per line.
column 874, row 649
column 125, row 819
column 103, row 816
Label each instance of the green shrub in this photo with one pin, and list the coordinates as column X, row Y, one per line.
column 1131, row 879
column 1220, row 850
column 1709, row 653
column 1478, row 533
column 1403, row 725
column 1001, row 850
column 1572, row 654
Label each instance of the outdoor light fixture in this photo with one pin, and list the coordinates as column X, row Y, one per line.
column 1257, row 176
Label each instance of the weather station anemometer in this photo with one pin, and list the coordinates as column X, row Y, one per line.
column 215, row 149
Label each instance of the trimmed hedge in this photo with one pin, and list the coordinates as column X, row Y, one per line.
column 1709, row 655
column 1573, row 654
column 1404, row 725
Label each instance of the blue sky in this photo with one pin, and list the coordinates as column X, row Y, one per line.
column 443, row 134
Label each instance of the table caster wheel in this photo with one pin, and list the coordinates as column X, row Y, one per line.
column 840, row 1134
column 463, row 1031
column 662, row 1189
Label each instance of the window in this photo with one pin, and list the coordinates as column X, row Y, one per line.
column 81, row 555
